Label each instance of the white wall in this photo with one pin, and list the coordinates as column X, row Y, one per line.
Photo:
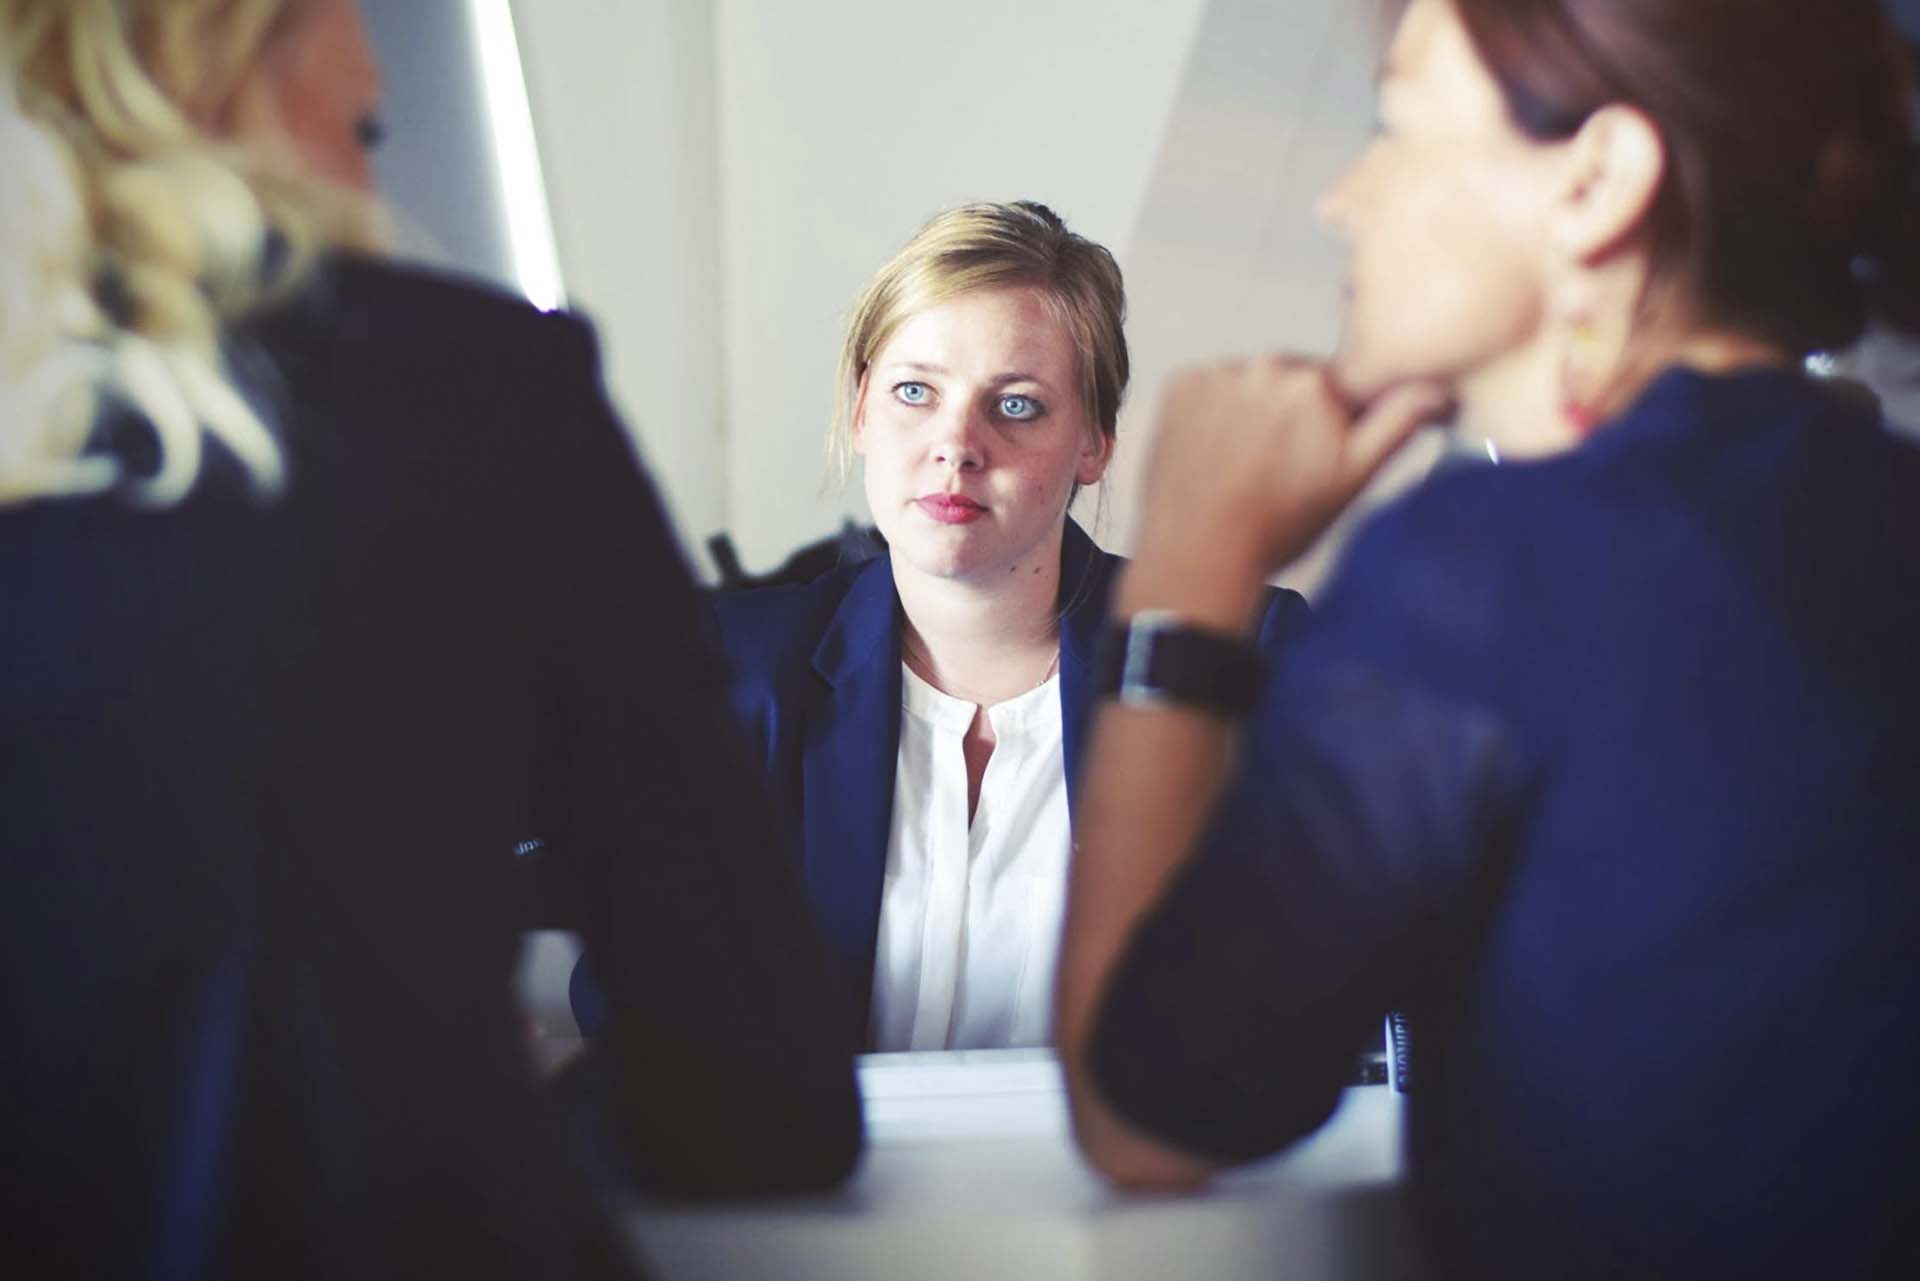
column 622, row 99
column 437, row 170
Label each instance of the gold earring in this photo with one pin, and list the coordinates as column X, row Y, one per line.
column 1576, row 408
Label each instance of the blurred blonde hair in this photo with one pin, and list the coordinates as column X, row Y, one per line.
column 992, row 246
column 130, row 238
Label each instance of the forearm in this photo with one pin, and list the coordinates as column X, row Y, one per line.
column 729, row 997
column 1151, row 781
column 1251, row 463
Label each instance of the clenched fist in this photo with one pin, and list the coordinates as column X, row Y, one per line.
column 1253, row 459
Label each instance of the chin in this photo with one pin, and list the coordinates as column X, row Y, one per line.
column 942, row 553
column 1358, row 377
column 1365, row 372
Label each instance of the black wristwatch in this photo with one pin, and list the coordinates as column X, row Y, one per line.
column 1155, row 658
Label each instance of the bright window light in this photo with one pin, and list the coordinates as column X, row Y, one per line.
column 523, row 192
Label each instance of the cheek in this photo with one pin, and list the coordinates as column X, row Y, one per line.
column 318, row 113
column 902, row 438
column 888, row 472
column 1472, row 300
column 1446, row 280
column 326, row 133
column 883, row 497
column 1045, row 482
column 878, row 473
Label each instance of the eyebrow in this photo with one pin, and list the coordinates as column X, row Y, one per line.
column 998, row 380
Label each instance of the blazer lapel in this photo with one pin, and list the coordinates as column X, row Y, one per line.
column 1086, row 579
column 847, row 772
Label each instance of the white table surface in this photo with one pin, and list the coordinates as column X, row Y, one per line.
column 970, row 1173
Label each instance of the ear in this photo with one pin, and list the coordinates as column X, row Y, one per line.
column 1095, row 454
column 1615, row 165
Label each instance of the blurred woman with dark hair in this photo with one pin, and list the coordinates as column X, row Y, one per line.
column 324, row 581
column 1600, row 762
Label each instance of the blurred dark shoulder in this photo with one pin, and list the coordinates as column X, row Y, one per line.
column 432, row 397
column 364, row 342
column 391, row 313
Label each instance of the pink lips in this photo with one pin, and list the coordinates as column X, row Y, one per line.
column 950, row 509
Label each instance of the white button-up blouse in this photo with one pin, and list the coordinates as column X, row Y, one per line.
column 970, row 914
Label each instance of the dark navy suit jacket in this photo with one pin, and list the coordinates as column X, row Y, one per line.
column 262, row 766
column 816, row 682
column 1606, row 769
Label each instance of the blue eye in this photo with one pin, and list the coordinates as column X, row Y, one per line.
column 912, row 393
column 1020, row 408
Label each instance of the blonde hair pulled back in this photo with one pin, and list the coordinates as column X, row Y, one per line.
column 131, row 238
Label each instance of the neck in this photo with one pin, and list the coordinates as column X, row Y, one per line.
column 1514, row 402
column 1725, row 353
column 1517, row 402
column 983, row 639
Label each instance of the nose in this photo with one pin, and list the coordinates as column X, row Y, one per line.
column 959, row 438
column 1335, row 204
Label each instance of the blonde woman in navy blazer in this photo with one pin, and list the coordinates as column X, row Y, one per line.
column 817, row 681
column 979, row 385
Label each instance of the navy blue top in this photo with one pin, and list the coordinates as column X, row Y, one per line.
column 264, row 764
column 816, row 682
column 1605, row 769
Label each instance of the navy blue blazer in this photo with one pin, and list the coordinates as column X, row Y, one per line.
column 816, row 682
column 1602, row 767
column 262, row 766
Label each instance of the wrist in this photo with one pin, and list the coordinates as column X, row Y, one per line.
column 1201, row 583
column 1155, row 657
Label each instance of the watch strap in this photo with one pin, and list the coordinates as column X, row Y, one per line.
column 1156, row 658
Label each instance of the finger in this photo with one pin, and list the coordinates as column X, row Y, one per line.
column 1389, row 422
column 1281, row 362
column 1337, row 386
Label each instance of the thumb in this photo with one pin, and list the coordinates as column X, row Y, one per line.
column 1389, row 422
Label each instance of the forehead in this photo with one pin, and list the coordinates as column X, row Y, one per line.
column 987, row 333
column 1432, row 60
